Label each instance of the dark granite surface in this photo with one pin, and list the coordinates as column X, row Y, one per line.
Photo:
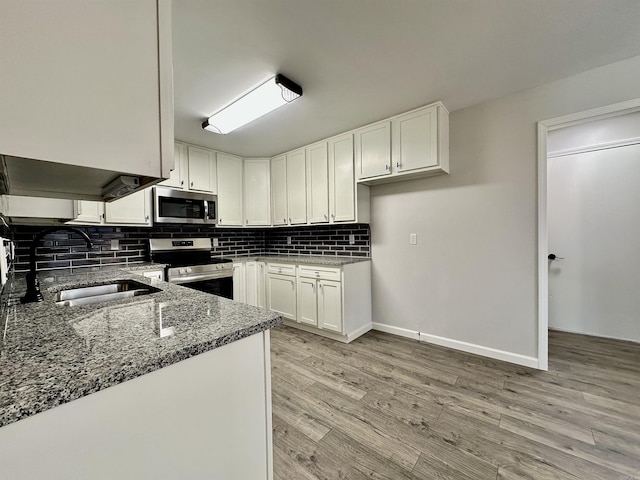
column 51, row 354
column 324, row 260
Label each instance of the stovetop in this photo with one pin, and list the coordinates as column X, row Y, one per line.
column 183, row 252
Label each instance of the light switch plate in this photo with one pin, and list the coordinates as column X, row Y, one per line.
column 413, row 239
column 352, row 239
column 115, row 244
column 288, row 240
column 215, row 242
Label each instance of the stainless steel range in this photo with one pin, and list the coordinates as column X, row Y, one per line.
column 189, row 264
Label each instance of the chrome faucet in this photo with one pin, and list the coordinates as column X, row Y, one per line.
column 33, row 285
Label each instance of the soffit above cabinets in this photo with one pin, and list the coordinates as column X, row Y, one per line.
column 359, row 61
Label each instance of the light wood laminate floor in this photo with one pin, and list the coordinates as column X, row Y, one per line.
column 386, row 407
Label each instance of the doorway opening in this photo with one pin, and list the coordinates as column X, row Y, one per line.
column 544, row 128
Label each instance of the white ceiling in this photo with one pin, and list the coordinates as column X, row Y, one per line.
column 359, row 61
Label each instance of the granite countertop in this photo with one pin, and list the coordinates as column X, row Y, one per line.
column 50, row 354
column 306, row 259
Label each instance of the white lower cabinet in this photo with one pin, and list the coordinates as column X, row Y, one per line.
column 307, row 301
column 239, row 285
column 331, row 301
column 262, row 284
column 281, row 292
column 330, row 305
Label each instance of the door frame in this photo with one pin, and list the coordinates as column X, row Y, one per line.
column 544, row 127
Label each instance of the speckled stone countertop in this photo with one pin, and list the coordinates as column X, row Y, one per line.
column 306, row 259
column 51, row 354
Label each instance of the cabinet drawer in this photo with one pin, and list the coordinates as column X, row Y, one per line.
column 322, row 273
column 281, row 268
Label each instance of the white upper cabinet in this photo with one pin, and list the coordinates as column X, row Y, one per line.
column 296, row 187
column 85, row 85
column 179, row 174
column 342, row 197
column 373, row 150
column 88, row 212
column 318, row 183
column 201, row 165
column 279, row 190
column 132, row 209
column 257, row 191
column 229, row 190
column 420, row 146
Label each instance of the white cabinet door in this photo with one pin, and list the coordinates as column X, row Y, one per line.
column 318, row 183
column 257, row 188
column 87, row 211
column 341, row 180
column 373, row 150
column 229, row 190
column 330, row 305
column 132, row 209
column 262, row 285
column 279, row 190
column 415, row 140
column 178, row 174
column 202, row 169
column 281, row 292
column 251, row 283
column 154, row 274
column 296, row 187
column 307, row 302
column 239, row 284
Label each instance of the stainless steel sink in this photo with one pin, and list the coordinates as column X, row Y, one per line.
column 116, row 290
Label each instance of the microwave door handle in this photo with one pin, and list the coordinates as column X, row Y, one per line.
column 206, row 210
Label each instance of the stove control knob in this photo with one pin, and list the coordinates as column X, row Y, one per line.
column 183, row 271
column 218, row 267
column 189, row 270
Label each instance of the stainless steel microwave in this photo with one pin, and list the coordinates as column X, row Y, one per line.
column 171, row 205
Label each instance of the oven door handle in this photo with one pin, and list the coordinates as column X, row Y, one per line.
column 200, row 278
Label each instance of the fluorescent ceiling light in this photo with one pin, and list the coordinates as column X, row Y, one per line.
column 272, row 94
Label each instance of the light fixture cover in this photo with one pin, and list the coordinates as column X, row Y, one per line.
column 272, row 94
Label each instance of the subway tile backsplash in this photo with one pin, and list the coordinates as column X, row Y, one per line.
column 66, row 249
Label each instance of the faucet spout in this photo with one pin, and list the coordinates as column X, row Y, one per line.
column 33, row 293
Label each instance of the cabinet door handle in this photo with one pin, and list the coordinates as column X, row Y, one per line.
column 182, row 183
column 292, row 284
column 333, row 215
column 398, row 165
column 325, row 217
column 386, row 167
column 313, row 287
column 289, row 219
column 146, row 218
column 284, row 220
column 191, row 184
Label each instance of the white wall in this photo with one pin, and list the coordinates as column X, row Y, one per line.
column 472, row 277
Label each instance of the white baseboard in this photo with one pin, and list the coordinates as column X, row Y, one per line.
column 588, row 334
column 402, row 332
column 358, row 333
column 510, row 357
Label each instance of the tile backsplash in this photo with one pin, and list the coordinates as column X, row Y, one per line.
column 65, row 249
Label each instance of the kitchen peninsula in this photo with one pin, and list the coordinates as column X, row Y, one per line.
column 197, row 404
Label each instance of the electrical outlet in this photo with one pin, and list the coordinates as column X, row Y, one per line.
column 288, row 240
column 215, row 242
column 352, row 239
column 115, row 244
column 413, row 239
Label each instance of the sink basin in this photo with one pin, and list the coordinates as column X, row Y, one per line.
column 107, row 292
